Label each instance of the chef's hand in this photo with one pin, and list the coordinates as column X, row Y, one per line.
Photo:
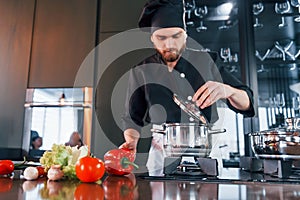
column 212, row 91
column 128, row 145
column 131, row 137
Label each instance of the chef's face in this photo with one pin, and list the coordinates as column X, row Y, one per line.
column 169, row 42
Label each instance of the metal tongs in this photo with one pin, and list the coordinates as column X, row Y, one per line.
column 190, row 108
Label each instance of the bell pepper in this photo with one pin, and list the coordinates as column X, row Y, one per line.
column 7, row 166
column 119, row 161
column 120, row 187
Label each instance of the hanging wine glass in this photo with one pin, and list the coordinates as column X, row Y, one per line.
column 293, row 67
column 233, row 69
column 257, row 9
column 201, row 12
column 280, row 103
column 272, row 123
column 225, row 25
column 190, row 4
column 189, row 7
column 225, row 54
column 284, row 50
column 297, row 54
column 262, row 58
column 296, row 3
column 296, row 105
column 282, row 8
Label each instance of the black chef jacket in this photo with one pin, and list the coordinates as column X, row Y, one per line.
column 151, row 87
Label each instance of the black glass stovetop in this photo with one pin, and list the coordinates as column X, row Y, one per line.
column 230, row 175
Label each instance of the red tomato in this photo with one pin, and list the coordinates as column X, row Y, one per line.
column 41, row 171
column 89, row 169
column 86, row 191
column 6, row 167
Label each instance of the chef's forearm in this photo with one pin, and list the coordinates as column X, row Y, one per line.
column 131, row 136
column 238, row 99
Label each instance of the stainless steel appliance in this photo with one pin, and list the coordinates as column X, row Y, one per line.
column 277, row 151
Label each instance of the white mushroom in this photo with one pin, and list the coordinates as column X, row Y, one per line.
column 31, row 173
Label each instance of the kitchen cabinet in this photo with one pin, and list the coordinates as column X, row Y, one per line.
column 117, row 15
column 43, row 43
column 16, row 21
column 63, row 35
column 277, row 41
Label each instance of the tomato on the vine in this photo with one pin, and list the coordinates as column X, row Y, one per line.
column 89, row 169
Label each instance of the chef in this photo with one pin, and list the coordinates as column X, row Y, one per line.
column 175, row 68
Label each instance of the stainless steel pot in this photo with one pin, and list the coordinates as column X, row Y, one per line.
column 276, row 143
column 187, row 138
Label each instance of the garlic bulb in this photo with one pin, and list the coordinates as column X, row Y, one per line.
column 55, row 173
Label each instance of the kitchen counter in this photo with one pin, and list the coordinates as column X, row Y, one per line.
column 137, row 187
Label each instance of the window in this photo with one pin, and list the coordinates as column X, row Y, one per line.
column 55, row 113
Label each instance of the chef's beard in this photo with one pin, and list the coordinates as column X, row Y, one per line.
column 171, row 54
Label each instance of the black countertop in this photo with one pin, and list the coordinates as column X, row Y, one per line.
column 232, row 183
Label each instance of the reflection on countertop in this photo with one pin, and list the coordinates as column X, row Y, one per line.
column 131, row 187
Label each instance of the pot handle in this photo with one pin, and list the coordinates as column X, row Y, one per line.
column 153, row 130
column 216, row 131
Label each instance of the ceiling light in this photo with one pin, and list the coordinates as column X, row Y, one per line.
column 62, row 98
column 225, row 8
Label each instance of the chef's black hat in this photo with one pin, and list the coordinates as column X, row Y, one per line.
column 162, row 14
